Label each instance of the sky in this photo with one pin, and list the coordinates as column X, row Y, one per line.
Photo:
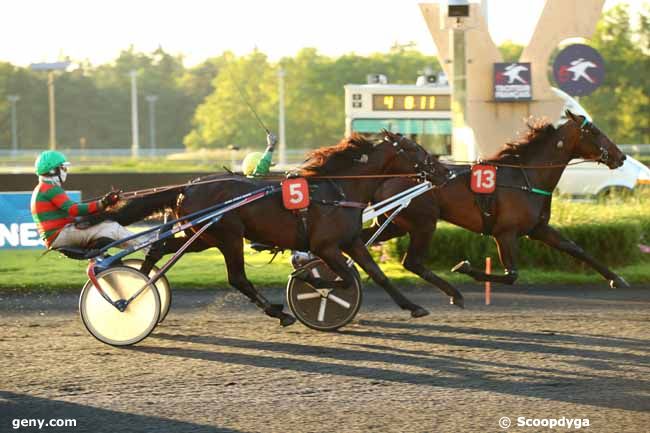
column 96, row 30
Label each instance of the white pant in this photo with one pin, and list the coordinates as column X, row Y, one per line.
column 72, row 236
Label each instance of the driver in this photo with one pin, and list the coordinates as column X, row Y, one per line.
column 258, row 164
column 55, row 213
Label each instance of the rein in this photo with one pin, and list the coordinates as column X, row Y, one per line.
column 502, row 164
column 150, row 191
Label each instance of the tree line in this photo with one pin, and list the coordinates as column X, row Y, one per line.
column 205, row 106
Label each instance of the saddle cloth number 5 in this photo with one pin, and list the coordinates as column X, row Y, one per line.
column 295, row 193
column 484, row 179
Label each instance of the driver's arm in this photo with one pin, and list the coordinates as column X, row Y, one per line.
column 61, row 200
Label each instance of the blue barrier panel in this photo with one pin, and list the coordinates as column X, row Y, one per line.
column 17, row 228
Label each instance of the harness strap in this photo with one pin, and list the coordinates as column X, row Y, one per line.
column 541, row 192
column 342, row 203
column 304, row 227
column 485, row 203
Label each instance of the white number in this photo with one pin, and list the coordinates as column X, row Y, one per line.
column 486, row 181
column 295, row 193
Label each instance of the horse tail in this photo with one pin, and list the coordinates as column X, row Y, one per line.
column 139, row 208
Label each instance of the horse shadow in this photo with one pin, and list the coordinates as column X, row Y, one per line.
column 438, row 370
column 16, row 407
column 540, row 336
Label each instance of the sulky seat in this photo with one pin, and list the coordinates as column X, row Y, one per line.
column 78, row 253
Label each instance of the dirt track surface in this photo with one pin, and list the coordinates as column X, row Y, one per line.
column 216, row 364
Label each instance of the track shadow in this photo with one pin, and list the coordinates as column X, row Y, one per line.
column 439, row 372
column 88, row 419
column 508, row 345
column 544, row 336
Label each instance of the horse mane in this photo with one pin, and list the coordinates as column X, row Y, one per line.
column 330, row 159
column 515, row 151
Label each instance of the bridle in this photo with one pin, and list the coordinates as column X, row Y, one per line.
column 420, row 167
column 430, row 168
column 587, row 127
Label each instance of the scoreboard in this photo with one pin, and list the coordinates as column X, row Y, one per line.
column 411, row 102
column 421, row 112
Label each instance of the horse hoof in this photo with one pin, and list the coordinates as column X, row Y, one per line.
column 419, row 312
column 463, row 267
column 287, row 320
column 459, row 302
column 619, row 283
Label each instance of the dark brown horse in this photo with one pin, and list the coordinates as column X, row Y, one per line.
column 521, row 205
column 331, row 227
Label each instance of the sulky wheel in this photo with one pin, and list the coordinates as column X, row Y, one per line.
column 111, row 326
column 163, row 286
column 323, row 309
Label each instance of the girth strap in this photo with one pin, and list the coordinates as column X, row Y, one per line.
column 303, row 231
column 486, row 203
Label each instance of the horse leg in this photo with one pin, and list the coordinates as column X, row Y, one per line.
column 390, row 232
column 169, row 246
column 555, row 239
column 333, row 258
column 232, row 248
column 358, row 252
column 413, row 261
column 508, row 246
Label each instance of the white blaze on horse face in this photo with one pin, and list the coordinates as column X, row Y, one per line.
column 560, row 144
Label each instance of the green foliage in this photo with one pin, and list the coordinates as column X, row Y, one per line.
column 224, row 117
column 621, row 106
column 201, row 106
column 93, row 104
column 313, row 95
column 511, row 51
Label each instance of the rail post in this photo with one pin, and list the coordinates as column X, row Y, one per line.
column 488, row 286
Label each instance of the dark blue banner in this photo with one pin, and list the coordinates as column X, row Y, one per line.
column 17, row 229
column 512, row 82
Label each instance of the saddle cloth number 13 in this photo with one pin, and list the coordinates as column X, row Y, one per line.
column 484, row 179
column 295, row 193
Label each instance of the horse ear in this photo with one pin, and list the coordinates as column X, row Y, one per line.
column 570, row 115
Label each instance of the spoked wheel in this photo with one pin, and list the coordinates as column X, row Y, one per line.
column 107, row 323
column 323, row 309
column 163, row 286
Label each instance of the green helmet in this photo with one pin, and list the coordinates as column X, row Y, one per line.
column 48, row 161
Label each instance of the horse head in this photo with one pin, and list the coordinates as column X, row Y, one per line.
column 421, row 160
column 592, row 143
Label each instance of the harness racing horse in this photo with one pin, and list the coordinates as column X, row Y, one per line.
column 332, row 225
column 528, row 170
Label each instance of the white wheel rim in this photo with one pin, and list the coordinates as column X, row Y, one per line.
column 109, row 324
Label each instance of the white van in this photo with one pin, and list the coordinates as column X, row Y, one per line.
column 593, row 179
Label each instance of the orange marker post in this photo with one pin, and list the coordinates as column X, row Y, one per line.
column 488, row 287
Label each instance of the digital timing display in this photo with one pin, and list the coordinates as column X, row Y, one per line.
column 411, row 102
